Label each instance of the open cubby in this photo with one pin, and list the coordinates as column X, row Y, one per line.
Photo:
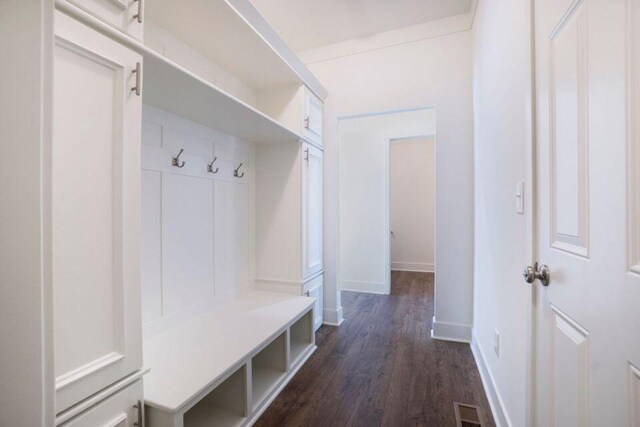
column 301, row 336
column 268, row 368
column 224, row 406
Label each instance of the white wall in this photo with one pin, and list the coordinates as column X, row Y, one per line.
column 429, row 72
column 501, row 67
column 412, row 204
column 364, row 194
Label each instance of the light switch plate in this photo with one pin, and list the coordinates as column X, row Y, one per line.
column 496, row 342
column 520, row 198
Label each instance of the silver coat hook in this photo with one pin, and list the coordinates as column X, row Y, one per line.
column 175, row 161
column 210, row 166
column 235, row 172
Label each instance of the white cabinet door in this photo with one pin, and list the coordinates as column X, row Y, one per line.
column 124, row 15
column 312, row 126
column 311, row 210
column 118, row 410
column 95, row 212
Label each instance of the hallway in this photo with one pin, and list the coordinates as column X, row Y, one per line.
column 381, row 367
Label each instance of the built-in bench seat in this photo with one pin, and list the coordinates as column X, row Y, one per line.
column 224, row 368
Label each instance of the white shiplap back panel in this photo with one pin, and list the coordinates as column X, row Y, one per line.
column 197, row 250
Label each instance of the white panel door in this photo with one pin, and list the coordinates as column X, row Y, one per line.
column 312, row 126
column 125, row 15
column 588, row 199
column 95, row 193
column 311, row 210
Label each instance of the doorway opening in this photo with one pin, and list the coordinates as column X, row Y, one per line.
column 366, row 143
column 412, row 204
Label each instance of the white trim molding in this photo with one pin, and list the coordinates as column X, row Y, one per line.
column 421, row 267
column 368, row 287
column 410, row 34
column 332, row 317
column 500, row 416
column 446, row 331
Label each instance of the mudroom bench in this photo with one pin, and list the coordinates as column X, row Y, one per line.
column 224, row 368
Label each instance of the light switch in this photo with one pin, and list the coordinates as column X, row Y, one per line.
column 520, row 197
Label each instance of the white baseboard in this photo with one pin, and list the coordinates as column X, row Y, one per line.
column 332, row 317
column 493, row 395
column 368, row 287
column 451, row 331
column 421, row 267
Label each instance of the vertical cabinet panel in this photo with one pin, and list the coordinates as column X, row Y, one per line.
column 121, row 14
column 311, row 210
column 95, row 193
column 312, row 126
column 187, row 241
column 232, row 235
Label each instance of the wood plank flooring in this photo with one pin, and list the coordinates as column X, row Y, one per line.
column 381, row 367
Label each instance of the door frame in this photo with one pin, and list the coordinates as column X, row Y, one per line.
column 388, row 140
column 530, row 200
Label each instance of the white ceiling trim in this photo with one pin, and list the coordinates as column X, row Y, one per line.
column 411, row 34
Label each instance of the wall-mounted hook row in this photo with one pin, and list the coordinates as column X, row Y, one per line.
column 175, row 161
column 210, row 166
column 235, row 172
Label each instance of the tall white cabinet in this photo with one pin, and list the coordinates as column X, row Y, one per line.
column 177, row 188
column 95, row 197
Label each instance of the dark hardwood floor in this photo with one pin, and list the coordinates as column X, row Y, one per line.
column 381, row 367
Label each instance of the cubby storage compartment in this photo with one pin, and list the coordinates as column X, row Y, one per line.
column 301, row 337
column 225, row 406
column 268, row 368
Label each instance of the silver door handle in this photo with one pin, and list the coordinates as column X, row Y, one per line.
column 139, row 408
column 534, row 272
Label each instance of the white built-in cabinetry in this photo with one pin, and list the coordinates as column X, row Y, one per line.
column 95, row 218
column 186, row 188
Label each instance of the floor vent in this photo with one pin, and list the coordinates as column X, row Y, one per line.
column 468, row 415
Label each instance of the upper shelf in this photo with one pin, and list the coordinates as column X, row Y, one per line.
column 234, row 35
column 171, row 88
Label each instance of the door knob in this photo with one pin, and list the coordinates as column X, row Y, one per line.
column 531, row 273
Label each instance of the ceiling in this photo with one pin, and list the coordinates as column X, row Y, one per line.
column 305, row 24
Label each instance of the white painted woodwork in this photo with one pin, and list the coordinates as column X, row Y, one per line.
column 233, row 253
column 197, row 226
column 311, row 210
column 268, row 368
column 226, row 405
column 314, row 288
column 187, row 242
column 569, row 135
column 191, row 360
column 95, row 193
column 633, row 96
column 174, row 89
column 120, row 14
column 300, row 338
column 117, row 410
column 208, row 26
column 171, row 47
column 634, row 396
column 26, row 307
column 312, row 117
column 279, row 222
column 586, row 320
